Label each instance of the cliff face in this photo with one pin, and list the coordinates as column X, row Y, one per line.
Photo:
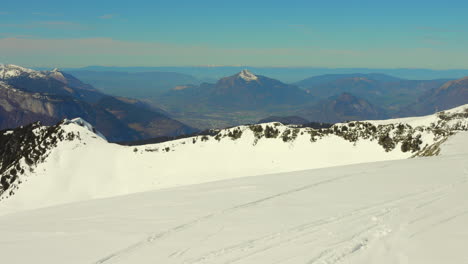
column 18, row 108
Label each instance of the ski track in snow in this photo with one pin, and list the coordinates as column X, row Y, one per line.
column 334, row 252
column 157, row 236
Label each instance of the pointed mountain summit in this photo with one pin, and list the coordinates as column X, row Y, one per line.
column 247, row 75
column 242, row 91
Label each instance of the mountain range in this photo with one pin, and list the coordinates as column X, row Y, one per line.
column 248, row 194
column 284, row 74
column 390, row 93
column 49, row 96
column 246, row 98
column 229, row 101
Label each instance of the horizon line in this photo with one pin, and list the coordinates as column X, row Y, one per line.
column 248, row 66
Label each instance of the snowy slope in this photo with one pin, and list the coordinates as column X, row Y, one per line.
column 88, row 167
column 8, row 71
column 423, row 120
column 406, row 211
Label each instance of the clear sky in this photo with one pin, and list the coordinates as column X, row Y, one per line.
column 326, row 33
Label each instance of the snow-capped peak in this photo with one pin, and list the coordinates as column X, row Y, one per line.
column 247, row 75
column 9, row 71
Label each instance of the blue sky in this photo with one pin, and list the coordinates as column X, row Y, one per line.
column 374, row 34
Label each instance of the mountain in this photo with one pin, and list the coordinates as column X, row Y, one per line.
column 66, row 185
column 342, row 108
column 449, row 95
column 52, row 82
column 286, row 120
column 71, row 161
column 389, row 92
column 412, row 210
column 242, row 91
column 246, row 89
column 141, row 85
column 49, row 96
column 243, row 98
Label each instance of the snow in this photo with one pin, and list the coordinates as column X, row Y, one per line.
column 83, row 123
column 93, row 168
column 455, row 145
column 9, row 132
column 247, row 76
column 405, row 211
column 420, row 120
column 9, row 71
column 89, row 167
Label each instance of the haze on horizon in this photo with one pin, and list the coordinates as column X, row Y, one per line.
column 335, row 34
